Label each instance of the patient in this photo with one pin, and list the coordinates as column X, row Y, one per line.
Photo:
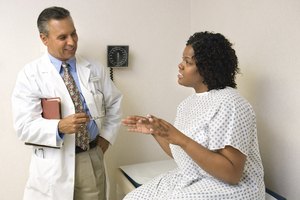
column 213, row 139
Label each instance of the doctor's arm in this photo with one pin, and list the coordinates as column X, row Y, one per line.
column 26, row 108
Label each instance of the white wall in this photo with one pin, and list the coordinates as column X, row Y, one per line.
column 266, row 36
column 265, row 33
column 155, row 31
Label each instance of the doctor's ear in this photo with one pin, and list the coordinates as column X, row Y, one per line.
column 44, row 38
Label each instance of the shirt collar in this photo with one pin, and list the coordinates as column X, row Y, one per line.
column 57, row 63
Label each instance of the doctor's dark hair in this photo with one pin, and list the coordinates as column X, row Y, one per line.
column 48, row 14
column 215, row 59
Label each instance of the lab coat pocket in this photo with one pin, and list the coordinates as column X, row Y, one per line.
column 42, row 171
column 100, row 103
column 98, row 108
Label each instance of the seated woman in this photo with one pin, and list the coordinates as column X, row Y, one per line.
column 214, row 137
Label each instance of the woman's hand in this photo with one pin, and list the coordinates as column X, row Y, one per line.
column 137, row 124
column 155, row 126
column 166, row 130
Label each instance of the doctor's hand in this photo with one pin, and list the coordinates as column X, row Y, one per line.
column 103, row 144
column 73, row 123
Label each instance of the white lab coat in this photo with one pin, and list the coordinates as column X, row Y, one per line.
column 51, row 175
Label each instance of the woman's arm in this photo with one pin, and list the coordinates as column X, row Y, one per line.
column 163, row 144
column 225, row 164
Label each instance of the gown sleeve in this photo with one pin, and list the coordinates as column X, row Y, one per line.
column 233, row 124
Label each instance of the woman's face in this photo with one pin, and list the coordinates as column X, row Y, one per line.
column 188, row 73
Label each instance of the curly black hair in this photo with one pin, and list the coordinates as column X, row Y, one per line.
column 215, row 58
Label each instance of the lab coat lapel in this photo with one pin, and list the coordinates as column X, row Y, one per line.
column 55, row 86
column 83, row 72
column 52, row 77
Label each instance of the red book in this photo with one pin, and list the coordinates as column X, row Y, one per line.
column 51, row 108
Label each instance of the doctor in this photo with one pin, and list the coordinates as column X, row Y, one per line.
column 59, row 169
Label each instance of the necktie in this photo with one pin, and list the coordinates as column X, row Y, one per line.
column 82, row 136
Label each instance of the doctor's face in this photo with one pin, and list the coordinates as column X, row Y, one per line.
column 62, row 39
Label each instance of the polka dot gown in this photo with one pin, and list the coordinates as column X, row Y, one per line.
column 214, row 119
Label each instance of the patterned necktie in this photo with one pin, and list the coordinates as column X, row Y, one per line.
column 82, row 136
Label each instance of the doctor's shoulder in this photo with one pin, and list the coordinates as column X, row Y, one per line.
column 33, row 68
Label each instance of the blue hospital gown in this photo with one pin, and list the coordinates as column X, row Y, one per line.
column 214, row 119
